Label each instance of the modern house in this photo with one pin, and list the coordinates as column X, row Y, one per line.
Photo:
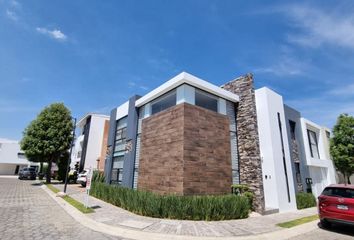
column 190, row 137
column 91, row 144
column 12, row 159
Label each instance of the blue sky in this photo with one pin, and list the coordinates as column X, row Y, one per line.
column 93, row 55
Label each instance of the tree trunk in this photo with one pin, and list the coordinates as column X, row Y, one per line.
column 49, row 171
column 349, row 179
column 41, row 167
column 346, row 178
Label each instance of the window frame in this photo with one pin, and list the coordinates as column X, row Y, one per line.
column 313, row 144
column 208, row 95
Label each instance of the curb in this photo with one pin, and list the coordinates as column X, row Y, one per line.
column 140, row 235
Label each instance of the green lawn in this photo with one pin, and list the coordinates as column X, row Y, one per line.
column 78, row 205
column 298, row 221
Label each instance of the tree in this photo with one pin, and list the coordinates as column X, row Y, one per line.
column 342, row 146
column 49, row 136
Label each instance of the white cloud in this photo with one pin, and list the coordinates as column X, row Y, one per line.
column 285, row 66
column 11, row 15
column 320, row 27
column 347, row 90
column 132, row 84
column 55, row 33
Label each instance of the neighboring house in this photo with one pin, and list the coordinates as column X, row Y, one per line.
column 90, row 146
column 12, row 159
column 190, row 137
column 295, row 152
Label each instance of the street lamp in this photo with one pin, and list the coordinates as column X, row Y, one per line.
column 69, row 161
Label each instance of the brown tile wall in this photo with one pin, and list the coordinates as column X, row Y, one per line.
column 185, row 150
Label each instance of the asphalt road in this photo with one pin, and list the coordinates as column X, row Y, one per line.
column 27, row 212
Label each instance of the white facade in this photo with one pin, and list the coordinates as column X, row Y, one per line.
column 277, row 172
column 95, row 139
column 321, row 168
column 12, row 158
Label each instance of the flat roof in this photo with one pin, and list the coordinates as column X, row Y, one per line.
column 186, row 78
column 81, row 121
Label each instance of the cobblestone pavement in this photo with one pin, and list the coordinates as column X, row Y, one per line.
column 27, row 212
column 337, row 232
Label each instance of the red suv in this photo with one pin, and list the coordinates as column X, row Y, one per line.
column 336, row 205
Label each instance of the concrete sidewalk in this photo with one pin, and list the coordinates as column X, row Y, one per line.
column 109, row 215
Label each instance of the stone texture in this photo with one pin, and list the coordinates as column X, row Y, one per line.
column 185, row 150
column 27, row 212
column 250, row 162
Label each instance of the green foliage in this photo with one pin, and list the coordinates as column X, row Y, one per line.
column 239, row 189
column 342, row 145
column 243, row 190
column 298, row 221
column 305, row 200
column 63, row 166
column 48, row 136
column 98, row 176
column 78, row 205
column 208, row 208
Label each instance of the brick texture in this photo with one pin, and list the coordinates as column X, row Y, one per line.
column 185, row 150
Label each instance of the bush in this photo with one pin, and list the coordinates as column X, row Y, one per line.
column 98, row 176
column 239, row 189
column 208, row 208
column 305, row 200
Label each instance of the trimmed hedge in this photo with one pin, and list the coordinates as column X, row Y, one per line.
column 208, row 208
column 305, row 200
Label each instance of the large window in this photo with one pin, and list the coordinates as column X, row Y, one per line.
column 119, row 151
column 313, row 144
column 292, row 129
column 165, row 101
column 206, row 100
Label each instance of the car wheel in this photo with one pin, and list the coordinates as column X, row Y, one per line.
column 325, row 223
column 83, row 184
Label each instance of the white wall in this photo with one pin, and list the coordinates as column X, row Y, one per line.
column 321, row 169
column 9, row 158
column 268, row 104
column 94, row 144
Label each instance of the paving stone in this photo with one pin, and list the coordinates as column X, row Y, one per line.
column 27, row 212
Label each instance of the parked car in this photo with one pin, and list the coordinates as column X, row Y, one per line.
column 336, row 205
column 27, row 173
column 81, row 178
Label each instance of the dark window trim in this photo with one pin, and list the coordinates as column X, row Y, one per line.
column 310, row 144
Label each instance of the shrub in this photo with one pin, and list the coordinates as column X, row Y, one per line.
column 305, row 200
column 239, row 189
column 98, row 176
column 144, row 203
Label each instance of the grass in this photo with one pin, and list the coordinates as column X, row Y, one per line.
column 298, row 221
column 78, row 205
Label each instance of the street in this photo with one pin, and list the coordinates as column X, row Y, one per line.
column 27, row 212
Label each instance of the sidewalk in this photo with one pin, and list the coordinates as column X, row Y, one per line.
column 110, row 215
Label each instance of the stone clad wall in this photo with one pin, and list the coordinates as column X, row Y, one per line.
column 250, row 162
column 185, row 150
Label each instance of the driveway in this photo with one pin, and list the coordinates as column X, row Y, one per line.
column 27, row 212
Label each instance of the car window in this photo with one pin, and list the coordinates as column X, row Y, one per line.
column 25, row 169
column 338, row 192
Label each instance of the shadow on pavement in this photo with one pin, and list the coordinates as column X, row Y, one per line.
column 339, row 228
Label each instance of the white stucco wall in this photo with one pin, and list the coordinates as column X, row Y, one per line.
column 94, row 144
column 321, row 169
column 9, row 158
column 269, row 104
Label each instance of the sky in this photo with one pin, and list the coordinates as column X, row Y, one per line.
column 94, row 55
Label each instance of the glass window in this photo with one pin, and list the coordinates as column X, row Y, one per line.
column 313, row 144
column 297, row 172
column 292, row 129
column 338, row 192
column 119, row 151
column 206, row 100
column 165, row 101
column 117, row 170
